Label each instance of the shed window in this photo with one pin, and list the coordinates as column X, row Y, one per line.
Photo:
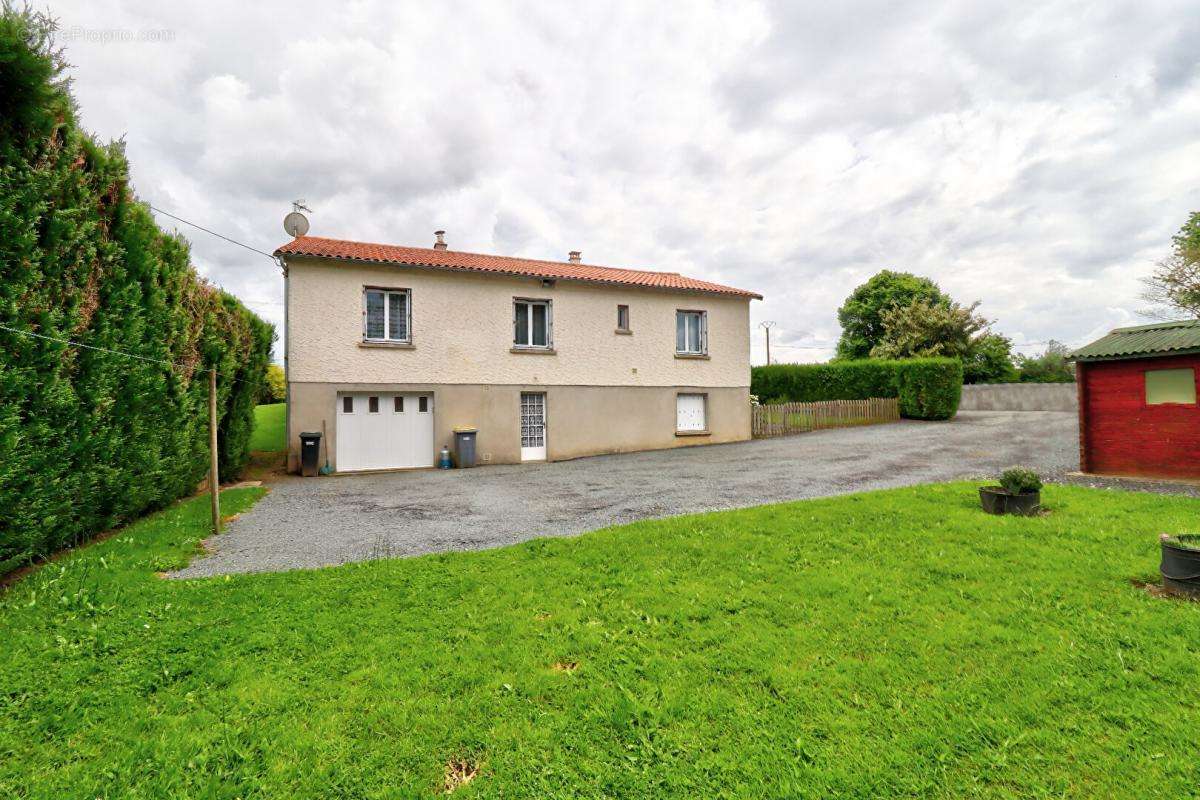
column 1170, row 386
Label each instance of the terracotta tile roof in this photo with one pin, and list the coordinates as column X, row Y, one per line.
column 319, row 247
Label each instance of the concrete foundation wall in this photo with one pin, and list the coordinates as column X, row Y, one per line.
column 1019, row 397
column 580, row 420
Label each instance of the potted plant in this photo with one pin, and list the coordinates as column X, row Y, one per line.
column 1019, row 492
column 1180, row 565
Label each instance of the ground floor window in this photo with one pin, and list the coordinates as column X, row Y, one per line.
column 690, row 412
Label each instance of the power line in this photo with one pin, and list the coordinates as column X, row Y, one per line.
column 124, row 354
column 834, row 344
column 171, row 364
column 88, row 346
column 214, row 233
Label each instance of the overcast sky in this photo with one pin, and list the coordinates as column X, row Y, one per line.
column 1035, row 156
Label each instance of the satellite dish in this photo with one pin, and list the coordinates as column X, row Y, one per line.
column 296, row 224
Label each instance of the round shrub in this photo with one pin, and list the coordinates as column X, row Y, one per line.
column 929, row 388
column 1020, row 480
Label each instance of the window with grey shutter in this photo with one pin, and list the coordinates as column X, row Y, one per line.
column 521, row 324
column 691, row 333
column 532, row 324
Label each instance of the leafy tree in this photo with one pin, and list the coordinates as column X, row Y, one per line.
column 990, row 360
column 1050, row 367
column 861, row 316
column 1174, row 287
column 274, row 387
column 929, row 328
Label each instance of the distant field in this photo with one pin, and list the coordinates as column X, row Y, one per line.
column 269, row 429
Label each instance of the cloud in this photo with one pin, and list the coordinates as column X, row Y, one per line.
column 1035, row 156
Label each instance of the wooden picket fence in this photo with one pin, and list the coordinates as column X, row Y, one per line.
column 782, row 419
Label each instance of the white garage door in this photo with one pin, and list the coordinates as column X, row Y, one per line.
column 384, row 431
column 689, row 413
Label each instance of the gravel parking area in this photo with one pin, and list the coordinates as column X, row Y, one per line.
column 317, row 522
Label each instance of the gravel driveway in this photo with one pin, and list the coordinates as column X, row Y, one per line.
column 316, row 522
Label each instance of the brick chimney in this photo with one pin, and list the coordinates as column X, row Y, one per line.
column 440, row 244
column 573, row 256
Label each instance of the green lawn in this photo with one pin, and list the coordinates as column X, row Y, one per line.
column 269, row 428
column 898, row 643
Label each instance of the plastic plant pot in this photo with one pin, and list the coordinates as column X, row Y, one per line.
column 1025, row 504
column 998, row 500
column 1180, row 567
column 992, row 498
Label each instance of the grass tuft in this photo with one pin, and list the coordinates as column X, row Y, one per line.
column 459, row 772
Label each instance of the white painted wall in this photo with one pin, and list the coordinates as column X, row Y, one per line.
column 462, row 331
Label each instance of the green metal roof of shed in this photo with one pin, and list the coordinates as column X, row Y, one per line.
column 1157, row 339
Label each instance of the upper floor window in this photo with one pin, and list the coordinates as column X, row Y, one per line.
column 691, row 333
column 387, row 315
column 532, row 325
column 1170, row 386
column 623, row 319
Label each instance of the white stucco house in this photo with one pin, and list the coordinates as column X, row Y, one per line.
column 388, row 349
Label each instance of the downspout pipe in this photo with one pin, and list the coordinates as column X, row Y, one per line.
column 287, row 382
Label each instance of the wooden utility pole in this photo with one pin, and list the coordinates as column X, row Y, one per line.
column 213, row 477
column 766, row 326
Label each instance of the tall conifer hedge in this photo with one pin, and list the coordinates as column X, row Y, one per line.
column 89, row 438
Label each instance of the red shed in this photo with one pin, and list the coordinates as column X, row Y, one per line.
column 1137, row 401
